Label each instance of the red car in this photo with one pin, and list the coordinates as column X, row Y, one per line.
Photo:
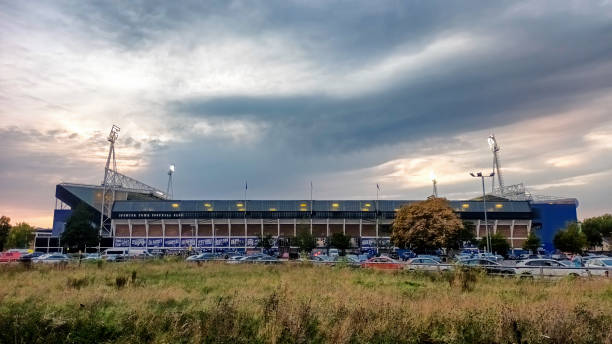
column 382, row 263
column 6, row 257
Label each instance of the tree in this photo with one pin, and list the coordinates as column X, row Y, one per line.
column 265, row 242
column 596, row 228
column 593, row 235
column 20, row 236
column 81, row 229
column 426, row 225
column 499, row 244
column 340, row 241
column 532, row 243
column 463, row 236
column 5, row 227
column 305, row 241
column 571, row 239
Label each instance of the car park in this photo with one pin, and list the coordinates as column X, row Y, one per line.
column 600, row 266
column 425, row 264
column 382, row 263
column 489, row 266
column 547, row 267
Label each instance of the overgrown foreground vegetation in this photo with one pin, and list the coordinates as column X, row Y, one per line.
column 176, row 302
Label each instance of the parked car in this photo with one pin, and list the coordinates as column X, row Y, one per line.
column 259, row 258
column 426, row 264
column 235, row 259
column 92, row 257
column 7, row 257
column 203, row 257
column 322, row 259
column 30, row 256
column 382, row 263
column 51, row 258
column 348, row 259
column 547, row 267
column 429, row 256
column 602, row 266
column 489, row 266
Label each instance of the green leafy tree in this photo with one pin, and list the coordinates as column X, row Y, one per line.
column 305, row 241
column 5, row 227
column 463, row 236
column 81, row 229
column 593, row 235
column 340, row 241
column 426, row 225
column 571, row 239
column 265, row 242
column 20, row 236
column 499, row 244
column 532, row 243
column 597, row 228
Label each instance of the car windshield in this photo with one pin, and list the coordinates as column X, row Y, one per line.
column 607, row 262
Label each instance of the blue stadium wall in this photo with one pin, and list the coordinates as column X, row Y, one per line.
column 60, row 217
column 548, row 219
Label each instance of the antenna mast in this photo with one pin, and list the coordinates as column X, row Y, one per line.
column 496, row 166
column 109, row 185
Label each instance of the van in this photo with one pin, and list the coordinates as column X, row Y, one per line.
column 115, row 254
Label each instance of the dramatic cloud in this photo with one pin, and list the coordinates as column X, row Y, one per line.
column 346, row 94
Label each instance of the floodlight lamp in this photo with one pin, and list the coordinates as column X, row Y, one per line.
column 472, row 174
column 171, row 170
column 491, row 141
column 432, row 175
column 492, row 174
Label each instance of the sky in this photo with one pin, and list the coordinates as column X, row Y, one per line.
column 346, row 94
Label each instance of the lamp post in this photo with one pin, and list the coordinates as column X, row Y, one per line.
column 484, row 204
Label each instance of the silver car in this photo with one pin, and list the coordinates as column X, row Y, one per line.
column 425, row 264
column 547, row 267
column 52, row 258
column 600, row 266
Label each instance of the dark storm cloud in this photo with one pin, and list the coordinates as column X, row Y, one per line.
column 533, row 65
column 506, row 62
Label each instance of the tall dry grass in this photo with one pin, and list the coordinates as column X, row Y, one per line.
column 176, row 302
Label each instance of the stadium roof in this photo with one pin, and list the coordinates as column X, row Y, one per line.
column 305, row 205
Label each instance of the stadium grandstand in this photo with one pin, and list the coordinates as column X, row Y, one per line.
column 134, row 214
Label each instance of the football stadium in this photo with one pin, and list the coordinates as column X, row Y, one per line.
column 135, row 215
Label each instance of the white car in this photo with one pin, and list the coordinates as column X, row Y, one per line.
column 602, row 266
column 547, row 267
column 425, row 264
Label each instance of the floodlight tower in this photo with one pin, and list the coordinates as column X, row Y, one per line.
column 108, row 184
column 169, row 189
column 435, row 183
column 495, row 148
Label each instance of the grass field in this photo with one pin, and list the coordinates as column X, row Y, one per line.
column 176, row 302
